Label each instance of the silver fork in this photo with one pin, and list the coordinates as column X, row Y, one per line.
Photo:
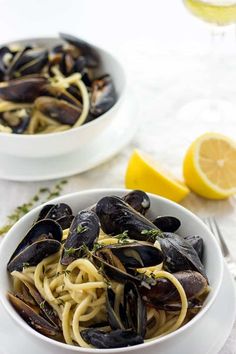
column 215, row 229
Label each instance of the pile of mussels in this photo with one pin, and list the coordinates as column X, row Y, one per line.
column 182, row 256
column 25, row 74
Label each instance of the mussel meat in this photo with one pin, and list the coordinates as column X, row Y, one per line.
column 164, row 291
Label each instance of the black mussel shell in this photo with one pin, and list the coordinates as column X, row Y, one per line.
column 42, row 229
column 45, row 308
column 116, row 216
column 58, row 211
column 59, row 110
column 114, row 339
column 3, row 51
column 179, row 254
column 134, row 254
column 138, row 200
column 113, row 269
column 33, row 254
column 164, row 291
column 32, row 61
column 86, row 50
column 33, row 319
column 197, row 243
column 84, row 230
column 167, row 223
column 103, row 95
column 65, row 221
column 114, row 319
column 22, row 90
column 135, row 309
column 44, row 211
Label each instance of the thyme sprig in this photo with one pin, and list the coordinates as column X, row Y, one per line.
column 152, row 234
column 123, row 238
column 42, row 195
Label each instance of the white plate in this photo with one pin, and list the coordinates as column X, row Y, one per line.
column 207, row 338
column 109, row 143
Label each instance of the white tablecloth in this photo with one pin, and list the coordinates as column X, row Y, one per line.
column 163, row 82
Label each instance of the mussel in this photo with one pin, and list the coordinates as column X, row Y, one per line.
column 167, row 223
column 132, row 311
column 179, row 254
column 43, row 239
column 138, row 200
column 85, row 49
column 33, row 319
column 22, row 90
column 84, row 231
column 17, row 120
column 197, row 243
column 163, row 291
column 33, row 254
column 59, row 110
column 116, row 216
column 133, row 254
column 113, row 339
column 103, row 95
column 61, row 213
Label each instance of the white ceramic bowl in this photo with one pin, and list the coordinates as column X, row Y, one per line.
column 49, row 145
column 191, row 225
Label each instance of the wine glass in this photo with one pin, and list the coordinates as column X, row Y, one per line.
column 218, row 101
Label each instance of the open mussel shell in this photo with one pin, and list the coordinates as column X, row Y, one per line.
column 61, row 213
column 3, row 52
column 197, row 243
column 114, row 339
column 33, row 319
column 116, row 216
column 85, row 49
column 45, row 308
column 59, row 110
column 58, row 211
column 134, row 254
column 42, row 229
column 135, row 309
column 179, row 254
column 83, row 232
column 103, row 95
column 138, row 200
column 167, row 223
column 33, row 254
column 22, row 90
column 31, row 62
column 115, row 319
column 164, row 291
column 17, row 123
column 113, row 270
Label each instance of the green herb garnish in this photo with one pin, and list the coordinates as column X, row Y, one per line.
column 152, row 234
column 42, row 304
column 123, row 238
column 25, row 265
column 81, row 229
column 71, row 251
column 43, row 195
column 97, row 246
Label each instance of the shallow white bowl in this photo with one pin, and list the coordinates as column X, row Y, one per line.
column 53, row 144
column 191, row 225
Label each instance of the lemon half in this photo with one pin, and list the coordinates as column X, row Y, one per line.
column 145, row 174
column 210, row 166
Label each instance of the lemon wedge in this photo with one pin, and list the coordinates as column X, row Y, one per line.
column 210, row 166
column 145, row 174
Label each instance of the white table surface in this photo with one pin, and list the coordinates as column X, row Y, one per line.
column 165, row 63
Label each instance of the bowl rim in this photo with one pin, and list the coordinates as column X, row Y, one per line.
column 83, row 126
column 28, row 217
